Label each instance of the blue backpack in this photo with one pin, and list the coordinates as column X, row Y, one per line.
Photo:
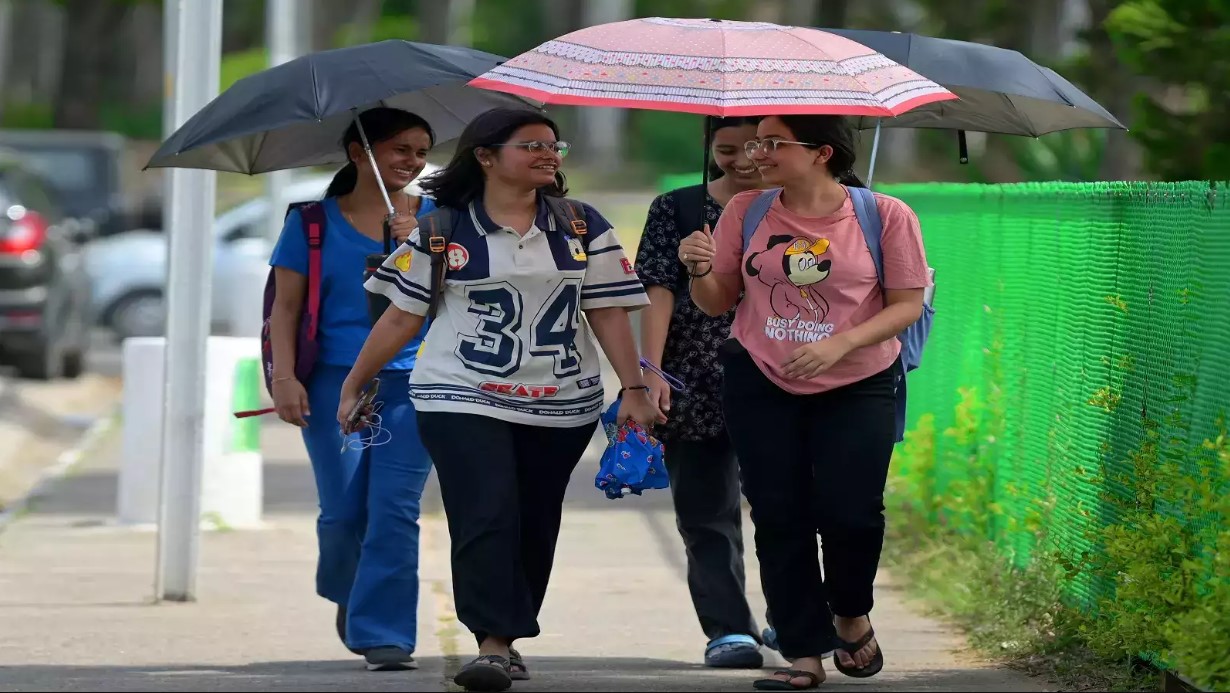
column 914, row 338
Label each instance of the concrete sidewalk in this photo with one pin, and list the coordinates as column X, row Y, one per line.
column 76, row 611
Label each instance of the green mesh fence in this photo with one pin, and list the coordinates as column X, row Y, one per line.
column 1082, row 331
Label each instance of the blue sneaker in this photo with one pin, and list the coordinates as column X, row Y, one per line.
column 734, row 652
column 769, row 636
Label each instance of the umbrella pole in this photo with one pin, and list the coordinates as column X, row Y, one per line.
column 704, row 175
column 875, row 149
column 371, row 158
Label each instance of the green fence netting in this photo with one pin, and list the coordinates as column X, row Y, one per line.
column 1081, row 342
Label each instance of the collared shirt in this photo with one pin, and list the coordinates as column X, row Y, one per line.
column 508, row 340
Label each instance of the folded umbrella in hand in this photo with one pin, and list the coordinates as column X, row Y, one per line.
column 632, row 459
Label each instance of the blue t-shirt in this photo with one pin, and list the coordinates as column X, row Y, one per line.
column 344, row 319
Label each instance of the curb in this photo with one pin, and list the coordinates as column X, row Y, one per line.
column 65, row 462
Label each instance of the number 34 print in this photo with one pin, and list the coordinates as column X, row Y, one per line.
column 496, row 346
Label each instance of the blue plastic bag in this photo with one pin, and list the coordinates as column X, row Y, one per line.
column 633, row 456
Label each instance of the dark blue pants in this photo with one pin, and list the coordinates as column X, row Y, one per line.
column 368, row 528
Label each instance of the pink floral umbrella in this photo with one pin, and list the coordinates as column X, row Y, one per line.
column 713, row 67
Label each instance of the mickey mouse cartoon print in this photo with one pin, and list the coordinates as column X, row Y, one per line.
column 794, row 295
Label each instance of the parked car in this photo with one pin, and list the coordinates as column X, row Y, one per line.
column 45, row 313
column 84, row 167
column 128, row 270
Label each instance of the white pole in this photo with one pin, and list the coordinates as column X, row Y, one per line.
column 189, row 266
column 281, row 34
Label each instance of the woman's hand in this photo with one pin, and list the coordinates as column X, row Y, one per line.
column 346, row 403
column 811, row 360
column 638, row 406
column 697, row 250
column 291, row 401
column 402, row 225
column 659, row 392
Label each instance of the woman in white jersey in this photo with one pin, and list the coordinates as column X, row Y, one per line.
column 507, row 387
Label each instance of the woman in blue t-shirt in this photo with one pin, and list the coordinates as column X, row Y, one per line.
column 369, row 496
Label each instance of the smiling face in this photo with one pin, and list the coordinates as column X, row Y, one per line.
column 516, row 165
column 729, row 156
column 786, row 162
column 400, row 158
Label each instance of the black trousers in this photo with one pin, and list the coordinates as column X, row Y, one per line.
column 704, row 479
column 812, row 464
column 503, row 489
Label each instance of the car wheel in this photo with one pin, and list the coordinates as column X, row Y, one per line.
column 73, row 364
column 139, row 314
column 45, row 362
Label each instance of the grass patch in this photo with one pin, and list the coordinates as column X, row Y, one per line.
column 1013, row 616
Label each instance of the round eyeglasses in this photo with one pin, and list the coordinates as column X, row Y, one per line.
column 536, row 147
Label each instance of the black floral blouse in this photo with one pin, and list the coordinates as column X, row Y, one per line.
column 692, row 342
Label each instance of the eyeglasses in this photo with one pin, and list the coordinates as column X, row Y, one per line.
column 769, row 146
column 560, row 148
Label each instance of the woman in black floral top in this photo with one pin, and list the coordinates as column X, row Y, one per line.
column 683, row 341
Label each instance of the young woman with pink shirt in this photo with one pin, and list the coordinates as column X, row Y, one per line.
column 811, row 375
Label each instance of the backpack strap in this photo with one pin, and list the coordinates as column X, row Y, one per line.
column 756, row 213
column 439, row 227
column 868, row 214
column 313, row 216
column 689, row 209
column 570, row 216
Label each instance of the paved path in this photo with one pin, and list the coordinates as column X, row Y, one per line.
column 76, row 611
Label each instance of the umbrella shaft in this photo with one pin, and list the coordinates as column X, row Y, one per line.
column 371, row 158
column 875, row 149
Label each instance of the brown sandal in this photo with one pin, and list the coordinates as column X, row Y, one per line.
column 780, row 685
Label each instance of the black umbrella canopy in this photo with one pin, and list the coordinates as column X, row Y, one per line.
column 294, row 114
column 1000, row 90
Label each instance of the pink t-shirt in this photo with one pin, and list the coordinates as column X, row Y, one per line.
column 808, row 278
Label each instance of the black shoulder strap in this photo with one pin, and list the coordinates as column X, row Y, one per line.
column 689, row 209
column 435, row 231
column 570, row 215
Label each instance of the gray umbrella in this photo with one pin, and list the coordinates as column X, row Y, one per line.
column 295, row 114
column 1001, row 91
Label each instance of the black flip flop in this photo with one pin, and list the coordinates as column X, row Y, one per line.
column 873, row 667
column 779, row 685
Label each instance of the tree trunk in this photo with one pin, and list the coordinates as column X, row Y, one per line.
column 433, row 20
column 90, row 61
column 325, row 18
column 36, row 53
column 365, row 18
column 603, row 128
column 6, row 42
column 1116, row 88
column 825, row 13
column 556, row 16
column 144, row 54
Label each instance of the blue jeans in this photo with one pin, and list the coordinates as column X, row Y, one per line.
column 368, row 528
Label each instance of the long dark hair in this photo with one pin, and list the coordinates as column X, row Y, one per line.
column 462, row 181
column 379, row 124
column 836, row 132
column 713, row 124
